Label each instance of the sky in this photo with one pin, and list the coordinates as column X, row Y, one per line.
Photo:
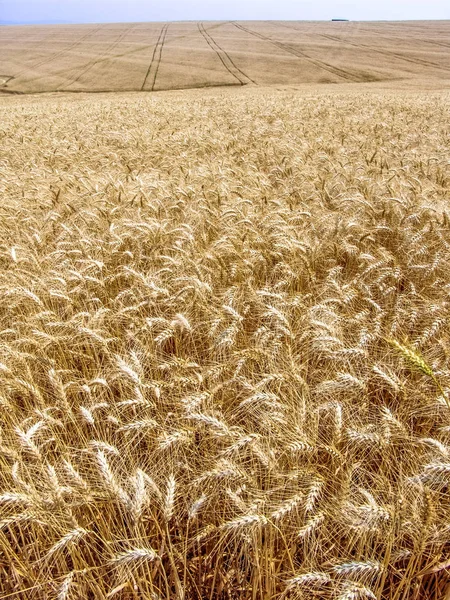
column 94, row 11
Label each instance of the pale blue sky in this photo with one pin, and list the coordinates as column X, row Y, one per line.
column 88, row 11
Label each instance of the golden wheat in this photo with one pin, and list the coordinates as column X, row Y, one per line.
column 224, row 346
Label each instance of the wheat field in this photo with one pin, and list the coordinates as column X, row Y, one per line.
column 148, row 57
column 224, row 352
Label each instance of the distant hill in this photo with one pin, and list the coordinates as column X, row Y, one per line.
column 179, row 55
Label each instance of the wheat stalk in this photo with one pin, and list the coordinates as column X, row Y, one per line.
column 134, row 556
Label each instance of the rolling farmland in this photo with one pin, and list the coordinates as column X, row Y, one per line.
column 224, row 311
column 164, row 56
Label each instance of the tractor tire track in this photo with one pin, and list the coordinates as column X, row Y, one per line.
column 385, row 52
column 307, row 31
column 440, row 44
column 92, row 64
column 157, row 54
column 102, row 60
column 388, row 34
column 59, row 53
column 98, row 61
column 225, row 58
column 4, row 80
column 300, row 54
column 416, row 61
column 194, row 33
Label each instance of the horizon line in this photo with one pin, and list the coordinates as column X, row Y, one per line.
column 343, row 19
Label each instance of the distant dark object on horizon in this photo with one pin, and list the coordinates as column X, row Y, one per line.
column 346, row 20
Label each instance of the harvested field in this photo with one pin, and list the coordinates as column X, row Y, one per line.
column 164, row 56
column 224, row 342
